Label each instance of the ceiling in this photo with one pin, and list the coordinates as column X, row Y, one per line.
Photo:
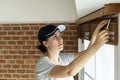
column 87, row 6
column 47, row 11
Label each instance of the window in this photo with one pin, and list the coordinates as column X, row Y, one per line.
column 101, row 65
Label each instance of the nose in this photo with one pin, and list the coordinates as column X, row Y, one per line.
column 60, row 38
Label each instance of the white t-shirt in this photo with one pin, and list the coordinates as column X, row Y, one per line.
column 44, row 66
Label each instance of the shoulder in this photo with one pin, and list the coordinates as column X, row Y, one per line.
column 44, row 61
column 66, row 58
column 43, row 65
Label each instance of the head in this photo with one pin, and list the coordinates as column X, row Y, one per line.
column 46, row 36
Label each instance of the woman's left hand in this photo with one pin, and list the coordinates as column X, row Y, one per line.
column 96, row 31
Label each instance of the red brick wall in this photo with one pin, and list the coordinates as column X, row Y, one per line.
column 18, row 52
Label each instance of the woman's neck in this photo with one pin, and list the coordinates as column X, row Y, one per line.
column 53, row 56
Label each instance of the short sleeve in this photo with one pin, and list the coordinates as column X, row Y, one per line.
column 66, row 58
column 43, row 68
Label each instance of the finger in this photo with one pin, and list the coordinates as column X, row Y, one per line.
column 104, row 32
column 106, row 39
column 103, row 35
column 100, row 25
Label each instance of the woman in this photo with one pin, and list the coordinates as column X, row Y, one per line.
column 56, row 66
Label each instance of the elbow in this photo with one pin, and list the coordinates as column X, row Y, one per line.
column 72, row 73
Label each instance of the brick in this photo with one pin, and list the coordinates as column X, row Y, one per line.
column 15, row 37
column 13, row 52
column 27, row 47
column 3, row 52
column 14, row 25
column 32, row 76
column 16, row 28
column 66, row 47
column 65, row 37
column 73, row 38
column 35, row 27
column 12, row 42
column 20, row 42
column 3, row 71
column 25, row 38
column 33, row 37
column 5, row 25
column 10, row 61
column 3, row 42
column 25, row 28
column 30, row 42
column 25, row 76
column 7, row 28
column 1, row 38
column 12, row 33
column 10, row 71
column 7, row 38
column 7, row 75
column 35, row 57
column 16, row 76
column 31, row 52
column 7, row 66
column 33, row 66
column 1, row 57
column 7, row 47
column 26, row 56
column 68, row 42
column 22, row 52
column 29, row 62
column 22, row 25
column 2, row 61
column 20, row 61
column 75, row 33
column 1, row 75
column 3, row 79
column 67, row 33
column 8, row 57
column 30, row 71
column 21, row 71
column 11, row 79
column 17, row 47
column 1, row 47
column 3, row 33
column 17, row 57
column 34, row 47
column 73, row 28
column 15, row 66
column 25, row 66
column 1, row 28
column 20, row 33
column 36, row 33
column 29, row 32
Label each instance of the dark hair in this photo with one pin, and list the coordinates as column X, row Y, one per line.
column 42, row 48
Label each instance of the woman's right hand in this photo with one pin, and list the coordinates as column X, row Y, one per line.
column 101, row 38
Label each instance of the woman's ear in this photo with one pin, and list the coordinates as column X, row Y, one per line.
column 45, row 43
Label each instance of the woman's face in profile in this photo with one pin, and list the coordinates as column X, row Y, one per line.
column 55, row 42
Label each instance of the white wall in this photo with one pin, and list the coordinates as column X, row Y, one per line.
column 117, row 55
column 37, row 11
column 118, row 49
column 85, row 7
